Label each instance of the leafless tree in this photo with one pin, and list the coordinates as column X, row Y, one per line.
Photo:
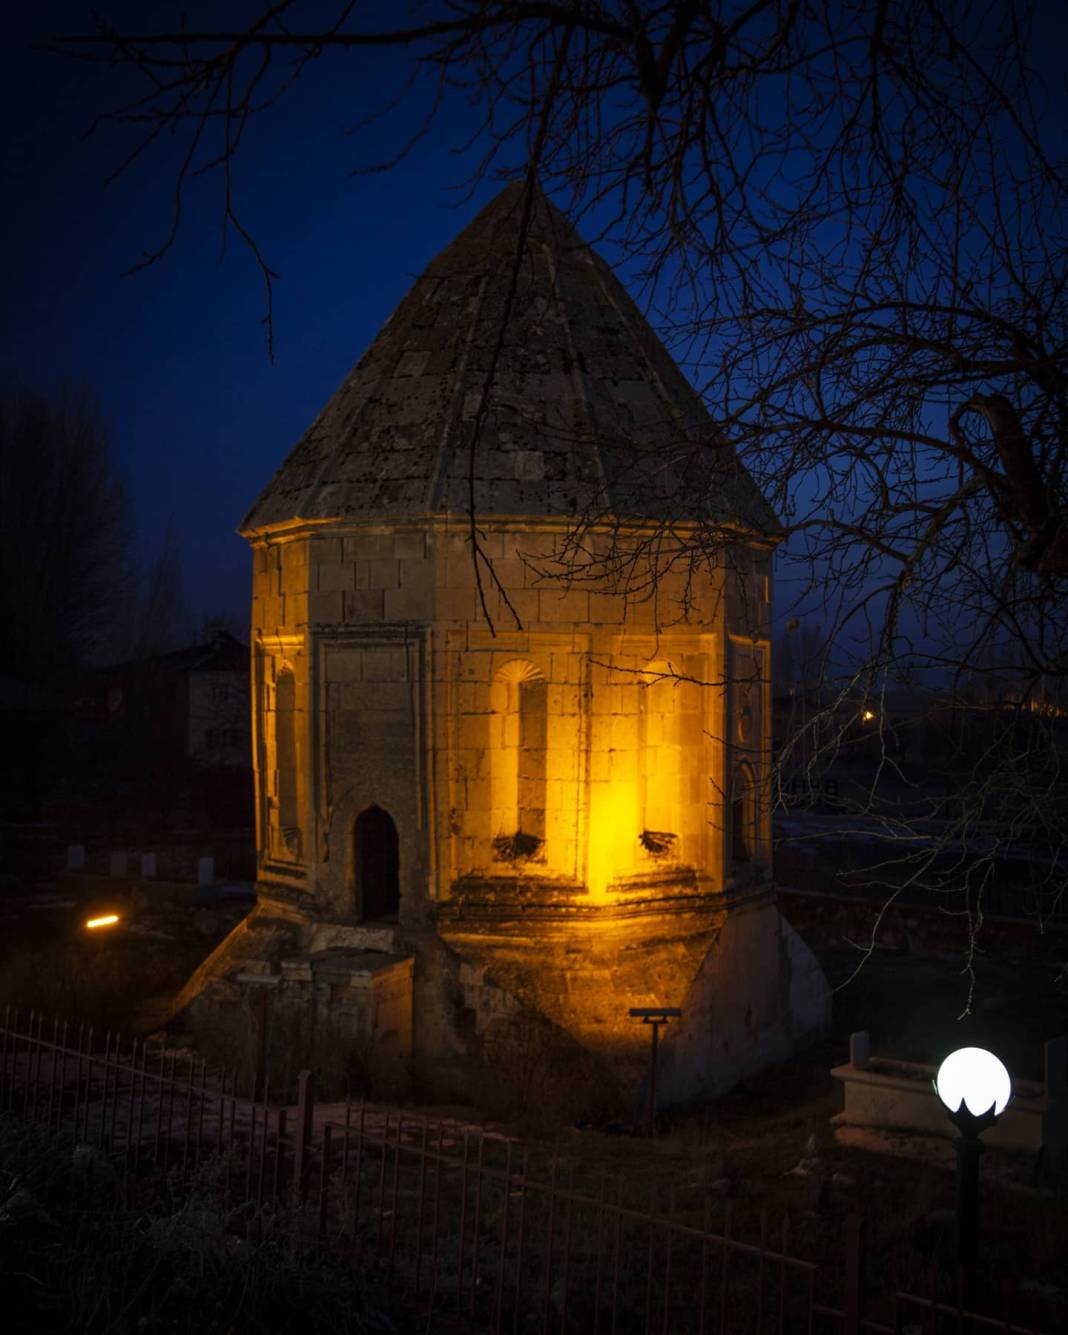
column 161, row 619
column 851, row 223
column 64, row 539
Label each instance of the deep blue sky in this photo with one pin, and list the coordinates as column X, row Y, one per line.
column 200, row 418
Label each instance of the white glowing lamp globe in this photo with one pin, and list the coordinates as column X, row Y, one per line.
column 977, row 1077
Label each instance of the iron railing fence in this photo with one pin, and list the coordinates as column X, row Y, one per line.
column 468, row 1222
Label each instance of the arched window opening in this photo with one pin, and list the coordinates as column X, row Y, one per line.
column 285, row 733
column 376, row 865
column 743, row 816
column 518, row 754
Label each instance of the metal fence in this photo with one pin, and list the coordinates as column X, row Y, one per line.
column 468, row 1222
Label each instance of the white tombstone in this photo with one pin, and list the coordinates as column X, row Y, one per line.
column 118, row 864
column 76, row 857
column 148, row 866
column 206, row 871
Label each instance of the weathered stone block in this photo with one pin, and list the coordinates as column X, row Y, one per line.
column 607, row 609
column 472, row 732
column 324, row 608
column 471, row 698
column 458, row 572
column 365, row 606
column 295, row 577
column 522, row 602
column 494, row 543
column 327, row 551
column 334, row 578
column 412, row 544
column 554, row 607
column 385, row 695
column 343, row 665
column 383, row 572
column 373, row 545
column 385, row 662
column 412, row 604
column 456, row 605
column 512, row 572
column 416, row 573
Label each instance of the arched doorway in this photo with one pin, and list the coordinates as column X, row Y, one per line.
column 375, row 865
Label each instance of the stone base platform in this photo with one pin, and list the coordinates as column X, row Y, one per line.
column 438, row 995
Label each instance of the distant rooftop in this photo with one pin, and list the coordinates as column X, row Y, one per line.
column 587, row 413
column 222, row 652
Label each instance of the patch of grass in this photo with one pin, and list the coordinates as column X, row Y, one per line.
column 75, row 1261
column 98, row 981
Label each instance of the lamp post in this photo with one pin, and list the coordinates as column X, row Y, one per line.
column 975, row 1088
column 655, row 1016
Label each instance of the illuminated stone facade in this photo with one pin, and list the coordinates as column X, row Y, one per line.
column 538, row 771
column 584, row 751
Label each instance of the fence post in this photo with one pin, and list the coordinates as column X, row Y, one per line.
column 1055, row 1075
column 302, row 1138
column 854, row 1260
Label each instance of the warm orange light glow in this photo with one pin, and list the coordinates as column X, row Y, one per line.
column 108, row 920
column 868, row 715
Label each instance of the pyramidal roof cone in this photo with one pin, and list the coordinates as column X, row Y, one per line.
column 569, row 407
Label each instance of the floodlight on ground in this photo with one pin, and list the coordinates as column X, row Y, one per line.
column 107, row 920
column 975, row 1088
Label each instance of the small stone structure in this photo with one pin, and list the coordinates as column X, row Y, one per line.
column 534, row 767
column 884, row 1093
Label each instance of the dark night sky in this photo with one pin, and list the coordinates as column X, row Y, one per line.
column 200, row 418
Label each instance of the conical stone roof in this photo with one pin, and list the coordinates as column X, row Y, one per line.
column 586, row 413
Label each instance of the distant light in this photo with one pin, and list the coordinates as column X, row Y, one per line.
column 109, row 920
column 977, row 1077
column 868, row 715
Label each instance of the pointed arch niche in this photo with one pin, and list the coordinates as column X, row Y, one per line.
column 281, row 784
column 671, row 750
column 375, row 865
column 744, row 816
column 659, row 754
column 518, row 745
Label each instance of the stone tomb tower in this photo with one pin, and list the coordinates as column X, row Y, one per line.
column 525, row 780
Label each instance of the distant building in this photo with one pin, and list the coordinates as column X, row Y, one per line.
column 191, row 705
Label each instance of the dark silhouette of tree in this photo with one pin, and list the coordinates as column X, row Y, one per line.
column 853, row 225
column 65, row 535
column 161, row 616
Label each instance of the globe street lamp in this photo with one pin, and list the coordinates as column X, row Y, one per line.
column 975, row 1088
